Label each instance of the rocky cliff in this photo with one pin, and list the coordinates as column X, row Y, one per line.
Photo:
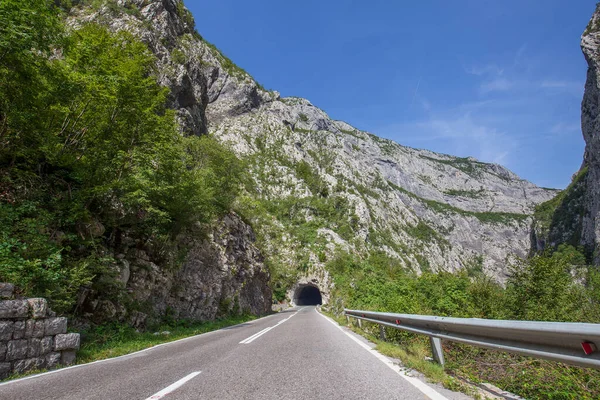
column 222, row 273
column 319, row 186
column 590, row 125
column 573, row 217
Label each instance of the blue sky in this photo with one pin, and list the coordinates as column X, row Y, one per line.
column 498, row 80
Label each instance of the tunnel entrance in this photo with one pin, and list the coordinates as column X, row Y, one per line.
column 307, row 295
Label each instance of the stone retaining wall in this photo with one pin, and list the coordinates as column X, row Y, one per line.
column 31, row 335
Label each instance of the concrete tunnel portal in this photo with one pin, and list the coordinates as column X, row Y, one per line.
column 307, row 295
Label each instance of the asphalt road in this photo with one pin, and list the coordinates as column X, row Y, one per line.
column 296, row 354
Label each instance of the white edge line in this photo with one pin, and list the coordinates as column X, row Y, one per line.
column 171, row 388
column 130, row 354
column 427, row 390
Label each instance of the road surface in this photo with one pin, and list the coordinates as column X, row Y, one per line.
column 295, row 354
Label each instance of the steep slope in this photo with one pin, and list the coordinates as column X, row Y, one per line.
column 324, row 187
column 573, row 217
column 318, row 186
column 590, row 124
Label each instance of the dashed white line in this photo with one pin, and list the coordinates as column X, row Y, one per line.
column 173, row 387
column 134, row 354
column 249, row 339
column 427, row 390
column 252, row 338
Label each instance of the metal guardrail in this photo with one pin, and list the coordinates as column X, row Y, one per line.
column 566, row 342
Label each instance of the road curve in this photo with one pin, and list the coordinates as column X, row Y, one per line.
column 296, row 354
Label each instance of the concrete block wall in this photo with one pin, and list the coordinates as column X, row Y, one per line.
column 31, row 335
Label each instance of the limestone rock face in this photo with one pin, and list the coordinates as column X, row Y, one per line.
column 195, row 71
column 323, row 186
column 590, row 125
column 477, row 214
column 222, row 273
column 575, row 216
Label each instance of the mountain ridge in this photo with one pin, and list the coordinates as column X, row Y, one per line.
column 347, row 190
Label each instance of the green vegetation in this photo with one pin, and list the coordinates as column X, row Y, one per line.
column 352, row 133
column 229, row 66
column 541, row 288
column 312, row 179
column 185, row 14
column 594, row 25
column 424, row 233
column 287, row 216
column 113, row 340
column 427, row 179
column 303, row 117
column 112, row 6
column 178, row 57
column 473, row 194
column 559, row 219
column 466, row 165
column 486, row 217
column 89, row 154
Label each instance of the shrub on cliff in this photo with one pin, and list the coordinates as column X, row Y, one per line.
column 89, row 148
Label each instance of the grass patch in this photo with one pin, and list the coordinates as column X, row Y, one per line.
column 531, row 378
column 466, row 165
column 414, row 356
column 107, row 341
column 473, row 194
column 423, row 232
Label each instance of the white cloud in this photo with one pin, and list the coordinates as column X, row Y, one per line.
column 573, row 87
column 565, row 128
column 490, row 69
column 554, row 84
column 496, row 85
column 457, row 134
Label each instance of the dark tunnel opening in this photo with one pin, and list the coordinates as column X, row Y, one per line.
column 308, row 296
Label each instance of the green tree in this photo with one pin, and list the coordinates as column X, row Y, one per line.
column 88, row 150
column 545, row 287
column 29, row 31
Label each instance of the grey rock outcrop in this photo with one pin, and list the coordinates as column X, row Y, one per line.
column 222, row 273
column 429, row 211
column 197, row 74
column 574, row 217
column 590, row 125
column 477, row 213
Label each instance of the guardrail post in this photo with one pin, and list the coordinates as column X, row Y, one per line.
column 359, row 323
column 436, row 349
column 348, row 320
column 381, row 333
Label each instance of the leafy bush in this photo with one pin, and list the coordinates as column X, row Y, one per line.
column 31, row 258
column 88, row 151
